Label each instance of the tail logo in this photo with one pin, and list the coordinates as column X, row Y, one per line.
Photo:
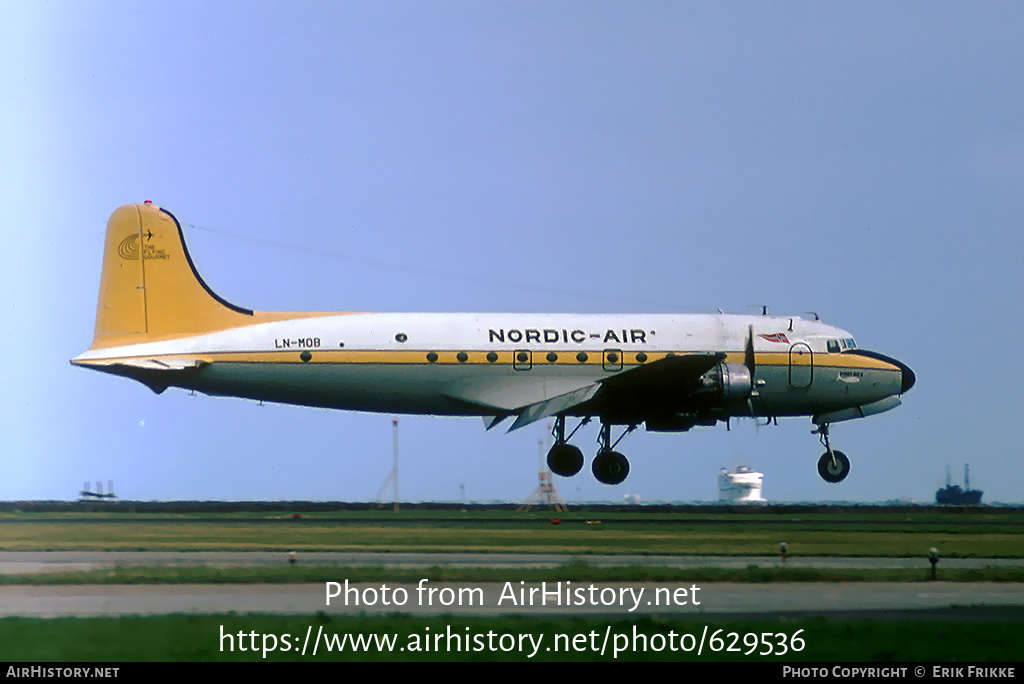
column 128, row 249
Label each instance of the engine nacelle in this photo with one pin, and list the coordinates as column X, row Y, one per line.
column 729, row 381
column 677, row 423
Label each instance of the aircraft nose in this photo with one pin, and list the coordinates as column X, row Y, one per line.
column 909, row 378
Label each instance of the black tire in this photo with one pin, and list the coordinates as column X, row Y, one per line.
column 565, row 460
column 833, row 472
column 610, row 467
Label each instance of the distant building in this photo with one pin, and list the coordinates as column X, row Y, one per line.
column 742, row 485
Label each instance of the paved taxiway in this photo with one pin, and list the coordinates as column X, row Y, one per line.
column 56, row 561
column 886, row 600
column 716, row 599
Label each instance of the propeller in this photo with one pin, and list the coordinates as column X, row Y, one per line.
column 748, row 354
column 748, row 361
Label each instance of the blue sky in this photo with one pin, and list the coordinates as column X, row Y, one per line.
column 862, row 161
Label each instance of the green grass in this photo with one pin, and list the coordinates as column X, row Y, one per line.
column 957, row 533
column 719, row 538
column 571, row 571
column 911, row 516
column 198, row 638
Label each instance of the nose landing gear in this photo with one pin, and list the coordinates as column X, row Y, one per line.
column 833, row 466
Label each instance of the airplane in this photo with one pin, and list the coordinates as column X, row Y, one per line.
column 159, row 323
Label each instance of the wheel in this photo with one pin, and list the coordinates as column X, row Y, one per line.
column 833, row 471
column 610, row 467
column 565, row 460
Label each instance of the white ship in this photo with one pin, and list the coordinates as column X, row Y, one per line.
column 742, row 485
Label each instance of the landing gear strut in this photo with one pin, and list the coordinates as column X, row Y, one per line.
column 833, row 466
column 610, row 467
column 565, row 459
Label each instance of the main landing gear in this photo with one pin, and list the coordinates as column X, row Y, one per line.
column 565, row 459
column 609, row 466
column 833, row 466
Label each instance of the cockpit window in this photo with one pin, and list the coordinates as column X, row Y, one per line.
column 833, row 346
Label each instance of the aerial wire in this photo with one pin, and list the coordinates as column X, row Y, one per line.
column 431, row 273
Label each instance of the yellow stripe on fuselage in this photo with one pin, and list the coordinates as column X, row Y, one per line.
column 479, row 358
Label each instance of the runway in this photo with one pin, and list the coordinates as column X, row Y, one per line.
column 17, row 562
column 877, row 600
column 626, row 600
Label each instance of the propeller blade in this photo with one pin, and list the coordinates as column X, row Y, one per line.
column 748, row 361
column 748, row 356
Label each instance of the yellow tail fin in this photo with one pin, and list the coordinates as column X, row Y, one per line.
column 149, row 288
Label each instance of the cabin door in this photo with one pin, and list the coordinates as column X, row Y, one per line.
column 801, row 365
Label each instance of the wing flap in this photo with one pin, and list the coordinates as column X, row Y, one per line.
column 510, row 395
column 492, row 421
column 549, row 407
column 648, row 385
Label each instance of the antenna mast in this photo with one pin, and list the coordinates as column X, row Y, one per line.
column 392, row 477
column 545, row 492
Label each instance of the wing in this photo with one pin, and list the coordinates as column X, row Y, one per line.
column 652, row 388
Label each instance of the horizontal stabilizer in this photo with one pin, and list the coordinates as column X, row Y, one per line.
column 549, row 407
column 156, row 374
column 153, row 364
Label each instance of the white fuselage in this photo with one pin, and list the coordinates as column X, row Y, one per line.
column 477, row 364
